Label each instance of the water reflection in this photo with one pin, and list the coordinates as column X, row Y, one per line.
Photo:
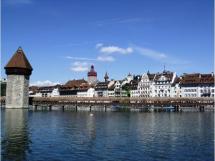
column 91, row 127
column 15, row 137
column 109, row 136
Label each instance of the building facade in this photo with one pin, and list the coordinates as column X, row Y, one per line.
column 145, row 85
column 162, row 84
column 197, row 85
column 88, row 93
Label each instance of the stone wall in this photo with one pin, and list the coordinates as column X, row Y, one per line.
column 17, row 91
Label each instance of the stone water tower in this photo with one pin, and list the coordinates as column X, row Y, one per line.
column 18, row 71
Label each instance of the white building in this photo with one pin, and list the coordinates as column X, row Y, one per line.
column 134, row 93
column 145, row 86
column 89, row 93
column 115, row 89
column 197, row 85
column 55, row 92
column 118, row 88
column 162, row 84
column 175, row 88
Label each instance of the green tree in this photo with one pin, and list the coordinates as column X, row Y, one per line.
column 3, row 89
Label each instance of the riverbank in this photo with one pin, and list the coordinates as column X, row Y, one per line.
column 120, row 108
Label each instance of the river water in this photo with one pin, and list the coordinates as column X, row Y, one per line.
column 109, row 136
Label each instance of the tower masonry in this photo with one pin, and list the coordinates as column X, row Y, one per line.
column 92, row 76
column 18, row 71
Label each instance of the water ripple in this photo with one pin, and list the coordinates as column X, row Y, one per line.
column 65, row 136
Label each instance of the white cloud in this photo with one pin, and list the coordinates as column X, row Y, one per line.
column 44, row 83
column 79, row 66
column 105, row 58
column 150, row 53
column 115, row 49
column 160, row 56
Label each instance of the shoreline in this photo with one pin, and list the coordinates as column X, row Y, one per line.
column 113, row 109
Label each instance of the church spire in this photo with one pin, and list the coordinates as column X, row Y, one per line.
column 106, row 77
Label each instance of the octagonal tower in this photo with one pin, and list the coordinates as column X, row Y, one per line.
column 18, row 71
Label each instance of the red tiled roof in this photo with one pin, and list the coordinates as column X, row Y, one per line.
column 76, row 83
column 197, row 78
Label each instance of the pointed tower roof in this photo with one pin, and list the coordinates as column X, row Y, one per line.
column 106, row 76
column 19, row 60
column 18, row 64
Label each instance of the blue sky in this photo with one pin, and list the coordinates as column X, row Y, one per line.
column 62, row 38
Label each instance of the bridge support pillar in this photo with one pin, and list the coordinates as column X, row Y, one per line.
column 201, row 108
column 90, row 108
column 50, row 107
column 176, row 108
column 62, row 108
column 105, row 108
column 76, row 108
column 35, row 107
column 162, row 109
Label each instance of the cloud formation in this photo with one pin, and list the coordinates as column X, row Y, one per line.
column 79, row 66
column 159, row 56
column 44, row 83
column 150, row 53
column 113, row 49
